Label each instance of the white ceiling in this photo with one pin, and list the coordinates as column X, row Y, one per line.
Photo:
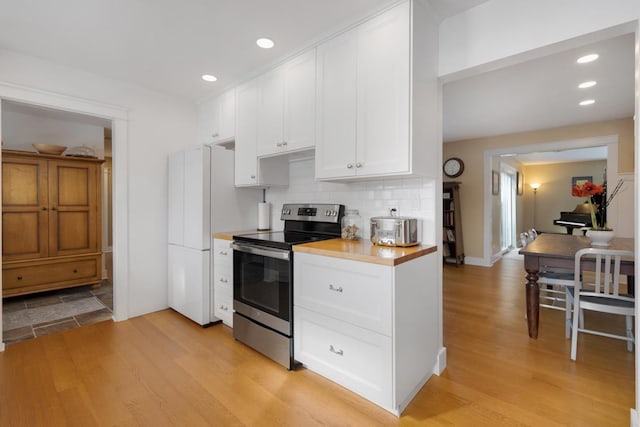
column 166, row 45
column 543, row 93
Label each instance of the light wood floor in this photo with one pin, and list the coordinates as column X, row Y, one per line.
column 161, row 369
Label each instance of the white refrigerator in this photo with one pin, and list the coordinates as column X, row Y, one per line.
column 202, row 200
column 189, row 238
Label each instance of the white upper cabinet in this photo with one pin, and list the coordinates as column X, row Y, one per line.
column 217, row 119
column 246, row 164
column 336, row 107
column 249, row 170
column 286, row 106
column 377, row 97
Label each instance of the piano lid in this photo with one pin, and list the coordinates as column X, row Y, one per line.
column 582, row 208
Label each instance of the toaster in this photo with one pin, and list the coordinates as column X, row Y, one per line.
column 394, row 231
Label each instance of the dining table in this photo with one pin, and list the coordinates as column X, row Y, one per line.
column 551, row 251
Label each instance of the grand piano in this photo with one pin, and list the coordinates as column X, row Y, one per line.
column 578, row 218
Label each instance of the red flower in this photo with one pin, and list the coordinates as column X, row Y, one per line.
column 587, row 189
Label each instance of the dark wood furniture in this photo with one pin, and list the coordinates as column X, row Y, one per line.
column 558, row 251
column 580, row 217
column 452, row 245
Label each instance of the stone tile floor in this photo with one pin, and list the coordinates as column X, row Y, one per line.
column 31, row 316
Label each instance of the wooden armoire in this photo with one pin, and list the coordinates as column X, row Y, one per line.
column 51, row 222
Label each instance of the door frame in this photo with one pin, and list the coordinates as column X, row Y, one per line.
column 119, row 127
column 611, row 141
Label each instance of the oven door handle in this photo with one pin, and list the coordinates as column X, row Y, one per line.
column 268, row 252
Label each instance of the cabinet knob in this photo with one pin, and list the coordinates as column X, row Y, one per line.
column 358, row 165
column 334, row 351
column 19, row 276
column 253, row 177
column 284, row 143
column 279, row 144
column 333, row 288
column 44, row 208
column 349, row 166
column 75, row 270
column 53, row 208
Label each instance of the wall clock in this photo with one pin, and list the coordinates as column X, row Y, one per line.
column 453, row 167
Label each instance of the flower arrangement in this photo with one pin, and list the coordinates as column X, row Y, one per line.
column 589, row 190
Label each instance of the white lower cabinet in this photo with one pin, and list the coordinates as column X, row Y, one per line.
column 368, row 327
column 223, row 281
column 354, row 357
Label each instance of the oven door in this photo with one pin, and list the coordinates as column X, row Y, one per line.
column 262, row 285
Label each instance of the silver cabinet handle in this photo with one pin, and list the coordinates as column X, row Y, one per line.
column 223, row 280
column 338, row 352
column 223, row 253
column 253, row 177
column 279, row 144
column 215, row 135
column 349, row 166
column 358, row 165
column 284, row 143
column 333, row 288
column 224, row 307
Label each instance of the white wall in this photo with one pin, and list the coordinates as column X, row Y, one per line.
column 499, row 29
column 413, row 197
column 20, row 130
column 157, row 124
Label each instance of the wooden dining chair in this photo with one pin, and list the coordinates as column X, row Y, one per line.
column 603, row 295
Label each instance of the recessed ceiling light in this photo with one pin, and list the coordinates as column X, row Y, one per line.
column 265, row 43
column 588, row 58
column 209, row 78
column 587, row 102
column 585, row 85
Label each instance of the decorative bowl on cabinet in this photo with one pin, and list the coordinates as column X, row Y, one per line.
column 49, row 149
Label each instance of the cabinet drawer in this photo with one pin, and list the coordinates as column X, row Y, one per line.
column 223, row 256
column 222, row 280
column 223, row 305
column 355, row 358
column 50, row 275
column 355, row 292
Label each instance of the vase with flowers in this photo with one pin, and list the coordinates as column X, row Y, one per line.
column 600, row 234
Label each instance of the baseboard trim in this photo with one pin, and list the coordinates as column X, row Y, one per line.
column 480, row 262
column 634, row 418
column 441, row 362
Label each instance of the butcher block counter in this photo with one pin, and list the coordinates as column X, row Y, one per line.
column 365, row 251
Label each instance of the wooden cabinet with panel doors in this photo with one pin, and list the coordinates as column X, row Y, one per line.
column 51, row 222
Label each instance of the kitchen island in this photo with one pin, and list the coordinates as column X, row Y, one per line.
column 367, row 317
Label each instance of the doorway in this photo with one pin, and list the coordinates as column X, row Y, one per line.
column 507, row 208
column 116, row 118
column 77, row 179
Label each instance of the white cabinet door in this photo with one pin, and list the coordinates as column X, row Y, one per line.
column 300, row 102
column 217, row 118
column 270, row 111
column 207, row 120
column 196, row 204
column 356, row 358
column 356, row 292
column 246, row 164
column 189, row 283
column 226, row 117
column 384, row 93
column 336, row 107
column 176, row 198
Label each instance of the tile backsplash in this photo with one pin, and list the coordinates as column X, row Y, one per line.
column 414, row 197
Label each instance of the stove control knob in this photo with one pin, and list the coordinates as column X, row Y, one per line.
column 335, row 213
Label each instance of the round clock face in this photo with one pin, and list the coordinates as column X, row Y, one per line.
column 453, row 167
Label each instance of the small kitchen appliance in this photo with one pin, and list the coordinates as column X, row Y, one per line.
column 394, row 231
column 263, row 277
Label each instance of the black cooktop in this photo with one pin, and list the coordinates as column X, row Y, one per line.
column 280, row 239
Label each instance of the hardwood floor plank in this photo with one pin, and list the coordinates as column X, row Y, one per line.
column 161, row 369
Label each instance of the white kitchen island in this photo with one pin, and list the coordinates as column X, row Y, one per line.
column 368, row 318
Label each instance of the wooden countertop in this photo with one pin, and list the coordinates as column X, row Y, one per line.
column 365, row 251
column 228, row 235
